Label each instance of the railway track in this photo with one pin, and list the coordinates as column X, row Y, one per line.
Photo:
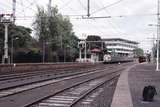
column 20, row 88
column 8, row 69
column 27, row 94
column 72, row 96
column 33, row 73
column 22, row 80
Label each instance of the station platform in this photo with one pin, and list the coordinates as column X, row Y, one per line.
column 130, row 86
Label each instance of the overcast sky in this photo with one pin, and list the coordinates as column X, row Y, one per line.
column 129, row 18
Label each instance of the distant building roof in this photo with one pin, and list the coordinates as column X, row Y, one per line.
column 95, row 50
column 120, row 39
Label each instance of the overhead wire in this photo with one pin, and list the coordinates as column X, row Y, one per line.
column 97, row 27
column 65, row 4
column 111, row 23
column 6, row 5
column 80, row 16
column 117, row 2
column 27, row 6
column 3, row 5
column 84, row 7
column 72, row 15
column 23, row 8
column 35, row 1
column 31, row 17
column 31, row 4
column 118, row 31
column 10, row 7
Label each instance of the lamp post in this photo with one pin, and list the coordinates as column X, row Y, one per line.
column 158, row 26
column 43, row 51
column 153, row 48
column 80, row 51
column 158, row 31
column 85, row 51
column 157, row 66
column 12, row 46
column 157, row 59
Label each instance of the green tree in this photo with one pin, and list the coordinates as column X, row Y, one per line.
column 20, row 36
column 19, row 33
column 138, row 52
column 95, row 44
column 40, row 24
column 55, row 31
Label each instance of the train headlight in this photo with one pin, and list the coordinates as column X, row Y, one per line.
column 107, row 57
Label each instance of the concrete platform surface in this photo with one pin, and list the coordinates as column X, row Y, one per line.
column 129, row 88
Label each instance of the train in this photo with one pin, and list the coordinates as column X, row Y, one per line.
column 108, row 58
column 142, row 59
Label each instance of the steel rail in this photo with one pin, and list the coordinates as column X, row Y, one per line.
column 92, row 89
column 43, row 78
column 46, row 90
column 112, row 75
column 30, row 73
column 13, row 90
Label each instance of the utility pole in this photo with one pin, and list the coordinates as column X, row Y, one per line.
column 88, row 9
column 81, row 45
column 85, row 51
column 6, row 58
column 6, row 19
column 14, row 19
column 49, row 8
column 44, row 39
column 44, row 51
column 80, row 54
column 158, row 31
column 85, row 47
column 14, row 11
column 153, row 48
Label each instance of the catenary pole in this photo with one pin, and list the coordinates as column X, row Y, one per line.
column 14, row 19
column 49, row 7
column 14, row 11
column 6, row 60
column 88, row 10
column 158, row 25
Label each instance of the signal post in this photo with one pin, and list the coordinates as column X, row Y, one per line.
column 6, row 19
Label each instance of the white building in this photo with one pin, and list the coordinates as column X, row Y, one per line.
column 120, row 46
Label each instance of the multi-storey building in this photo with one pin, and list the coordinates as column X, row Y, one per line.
column 120, row 46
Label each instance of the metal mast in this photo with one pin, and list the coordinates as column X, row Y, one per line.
column 49, row 7
column 158, row 31
column 14, row 11
column 88, row 10
column 14, row 19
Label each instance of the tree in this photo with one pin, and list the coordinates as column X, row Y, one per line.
column 55, row 31
column 93, row 45
column 19, row 35
column 40, row 24
column 22, row 34
column 138, row 52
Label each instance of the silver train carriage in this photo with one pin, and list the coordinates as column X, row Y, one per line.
column 107, row 58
